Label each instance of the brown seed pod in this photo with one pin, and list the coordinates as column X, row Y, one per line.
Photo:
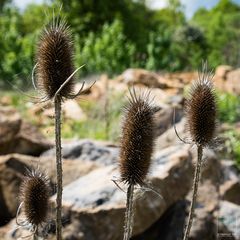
column 201, row 111
column 35, row 194
column 137, row 139
column 55, row 60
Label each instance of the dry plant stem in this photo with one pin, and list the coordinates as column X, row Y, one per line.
column 57, row 103
column 35, row 235
column 195, row 190
column 128, row 226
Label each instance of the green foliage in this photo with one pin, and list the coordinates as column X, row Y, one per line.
column 114, row 35
column 176, row 49
column 109, row 51
column 222, row 32
column 232, row 144
column 94, row 126
column 228, row 107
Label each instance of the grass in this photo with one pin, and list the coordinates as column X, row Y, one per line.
column 229, row 107
column 94, row 127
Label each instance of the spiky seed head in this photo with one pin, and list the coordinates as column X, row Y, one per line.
column 35, row 194
column 137, row 140
column 55, row 60
column 201, row 111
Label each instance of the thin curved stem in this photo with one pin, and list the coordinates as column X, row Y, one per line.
column 57, row 103
column 195, row 190
column 128, row 226
column 35, row 235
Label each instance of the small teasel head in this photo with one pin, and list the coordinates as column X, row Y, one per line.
column 137, row 140
column 201, row 109
column 34, row 195
column 55, row 60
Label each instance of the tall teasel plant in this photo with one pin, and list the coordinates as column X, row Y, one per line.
column 55, row 81
column 136, row 147
column 201, row 112
column 34, row 196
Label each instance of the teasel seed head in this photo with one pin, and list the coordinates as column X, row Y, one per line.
column 55, row 60
column 201, row 110
column 137, row 140
column 35, row 194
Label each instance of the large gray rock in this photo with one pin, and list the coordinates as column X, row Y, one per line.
column 95, row 206
column 228, row 222
column 87, row 150
column 12, row 169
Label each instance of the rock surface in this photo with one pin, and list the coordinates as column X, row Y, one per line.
column 222, row 71
column 95, row 197
column 12, row 169
column 230, row 191
column 229, row 224
column 140, row 76
column 232, row 82
column 87, row 150
column 17, row 136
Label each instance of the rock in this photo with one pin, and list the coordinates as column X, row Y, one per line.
column 229, row 170
column 29, row 141
column 203, row 226
column 232, row 82
column 10, row 123
column 169, row 137
column 12, row 169
column 170, row 226
column 95, row 207
column 87, row 150
column 229, row 215
column 164, row 118
column 222, row 71
column 140, row 76
column 72, row 110
column 17, row 136
column 230, row 191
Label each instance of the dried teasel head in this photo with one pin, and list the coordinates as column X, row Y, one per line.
column 34, row 195
column 201, row 110
column 137, row 140
column 55, row 60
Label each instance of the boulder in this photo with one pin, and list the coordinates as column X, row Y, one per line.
column 72, row 110
column 230, row 191
column 94, row 206
column 222, row 71
column 10, row 124
column 140, row 76
column 87, row 150
column 169, row 137
column 164, row 118
column 228, row 221
column 17, row 136
column 170, row 226
column 12, row 169
column 232, row 82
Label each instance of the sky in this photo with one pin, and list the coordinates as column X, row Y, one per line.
column 190, row 5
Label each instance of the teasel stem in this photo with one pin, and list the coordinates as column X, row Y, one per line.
column 57, row 104
column 128, row 226
column 195, row 190
column 35, row 235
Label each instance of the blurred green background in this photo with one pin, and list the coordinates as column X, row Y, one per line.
column 111, row 36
